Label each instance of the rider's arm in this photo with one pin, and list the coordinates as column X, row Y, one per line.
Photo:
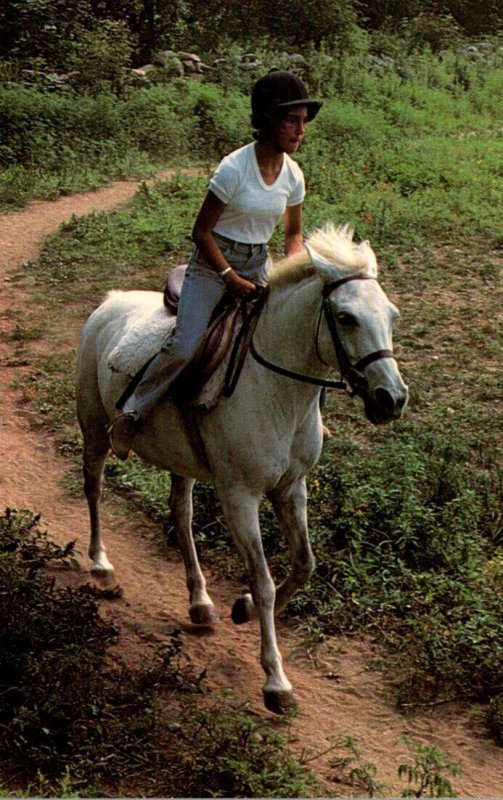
column 207, row 218
column 293, row 229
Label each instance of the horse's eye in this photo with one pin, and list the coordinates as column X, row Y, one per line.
column 348, row 320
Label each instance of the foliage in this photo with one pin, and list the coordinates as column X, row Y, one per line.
column 239, row 757
column 48, row 31
column 53, row 643
column 42, row 29
column 404, row 545
column 54, row 143
column 426, row 773
column 351, row 769
column 100, row 58
column 481, row 17
column 73, row 720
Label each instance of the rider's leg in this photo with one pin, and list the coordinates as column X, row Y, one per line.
column 202, row 290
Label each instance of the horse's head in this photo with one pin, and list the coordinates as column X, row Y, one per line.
column 359, row 321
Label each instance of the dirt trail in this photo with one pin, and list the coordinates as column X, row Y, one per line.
column 336, row 690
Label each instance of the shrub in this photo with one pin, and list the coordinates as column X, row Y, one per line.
column 101, row 57
column 74, row 718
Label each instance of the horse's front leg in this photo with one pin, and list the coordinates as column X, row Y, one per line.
column 241, row 511
column 201, row 609
column 290, row 507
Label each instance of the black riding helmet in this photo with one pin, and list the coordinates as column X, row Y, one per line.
column 278, row 91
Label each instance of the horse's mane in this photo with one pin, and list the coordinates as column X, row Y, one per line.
column 334, row 244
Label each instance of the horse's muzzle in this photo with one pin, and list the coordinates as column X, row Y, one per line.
column 382, row 406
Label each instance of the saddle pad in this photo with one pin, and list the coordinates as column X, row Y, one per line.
column 148, row 329
column 143, row 337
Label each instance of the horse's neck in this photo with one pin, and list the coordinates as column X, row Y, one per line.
column 287, row 331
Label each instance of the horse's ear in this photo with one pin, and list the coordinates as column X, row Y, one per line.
column 369, row 255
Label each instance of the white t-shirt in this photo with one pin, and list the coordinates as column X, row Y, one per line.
column 253, row 209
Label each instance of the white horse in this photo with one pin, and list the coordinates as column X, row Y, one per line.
column 325, row 309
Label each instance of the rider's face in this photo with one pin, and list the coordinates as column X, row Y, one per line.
column 291, row 128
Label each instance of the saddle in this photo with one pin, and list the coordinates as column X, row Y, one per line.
column 173, row 287
column 232, row 323
column 229, row 323
column 211, row 353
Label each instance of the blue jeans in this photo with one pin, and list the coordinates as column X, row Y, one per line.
column 202, row 289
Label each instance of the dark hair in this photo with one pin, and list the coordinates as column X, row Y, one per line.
column 264, row 126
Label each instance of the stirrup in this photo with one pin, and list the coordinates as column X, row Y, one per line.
column 121, row 434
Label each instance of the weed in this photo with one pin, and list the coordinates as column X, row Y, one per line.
column 22, row 333
column 354, row 771
column 426, row 772
column 232, row 755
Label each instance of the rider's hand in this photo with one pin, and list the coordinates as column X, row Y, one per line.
column 237, row 285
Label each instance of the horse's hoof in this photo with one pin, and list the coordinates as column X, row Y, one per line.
column 105, row 578
column 241, row 610
column 203, row 615
column 279, row 702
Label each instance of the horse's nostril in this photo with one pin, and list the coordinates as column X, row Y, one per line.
column 384, row 400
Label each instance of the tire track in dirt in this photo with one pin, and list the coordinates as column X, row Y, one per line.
column 336, row 690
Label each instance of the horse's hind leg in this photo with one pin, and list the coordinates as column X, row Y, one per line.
column 290, row 507
column 95, row 452
column 201, row 609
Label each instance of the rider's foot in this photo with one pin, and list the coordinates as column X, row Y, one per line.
column 122, row 432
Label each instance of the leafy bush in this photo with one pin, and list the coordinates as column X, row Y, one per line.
column 436, row 31
column 238, row 757
column 74, row 719
column 53, row 645
column 407, row 544
column 101, row 57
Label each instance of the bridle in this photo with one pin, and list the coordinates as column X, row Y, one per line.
column 352, row 379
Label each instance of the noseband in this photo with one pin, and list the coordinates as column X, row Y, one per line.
column 352, row 378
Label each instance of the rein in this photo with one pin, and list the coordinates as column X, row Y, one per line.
column 353, row 373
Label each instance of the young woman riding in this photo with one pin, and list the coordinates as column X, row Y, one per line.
column 250, row 191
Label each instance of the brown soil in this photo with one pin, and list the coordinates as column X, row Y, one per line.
column 336, row 688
